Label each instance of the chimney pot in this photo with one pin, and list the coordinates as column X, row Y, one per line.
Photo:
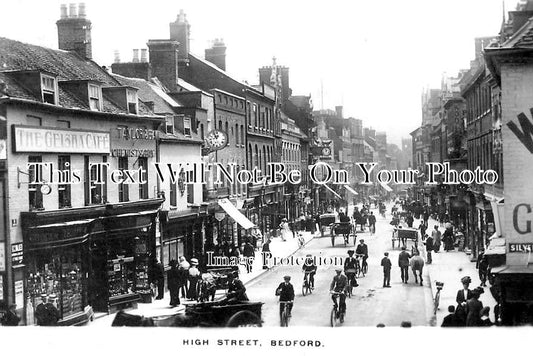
column 81, row 10
column 73, row 10
column 144, row 55
column 117, row 56
column 135, row 56
column 63, row 9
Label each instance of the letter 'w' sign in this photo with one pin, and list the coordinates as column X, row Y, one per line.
column 525, row 136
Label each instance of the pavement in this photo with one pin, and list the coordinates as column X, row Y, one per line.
column 162, row 307
column 449, row 268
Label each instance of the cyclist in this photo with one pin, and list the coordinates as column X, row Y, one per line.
column 339, row 285
column 362, row 249
column 310, row 267
column 285, row 291
column 349, row 268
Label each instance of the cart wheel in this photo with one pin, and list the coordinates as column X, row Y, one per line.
column 244, row 318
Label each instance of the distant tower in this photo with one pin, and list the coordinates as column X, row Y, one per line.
column 74, row 30
column 180, row 31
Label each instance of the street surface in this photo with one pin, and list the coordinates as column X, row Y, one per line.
column 370, row 305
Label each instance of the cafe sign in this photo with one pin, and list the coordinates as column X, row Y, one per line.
column 45, row 139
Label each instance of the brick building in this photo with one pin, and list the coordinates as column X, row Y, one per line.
column 80, row 234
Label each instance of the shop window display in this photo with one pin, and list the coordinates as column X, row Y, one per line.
column 59, row 277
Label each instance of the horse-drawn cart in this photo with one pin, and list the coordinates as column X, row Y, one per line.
column 325, row 221
column 210, row 314
column 402, row 234
column 346, row 229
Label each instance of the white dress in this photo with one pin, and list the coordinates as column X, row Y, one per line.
column 286, row 232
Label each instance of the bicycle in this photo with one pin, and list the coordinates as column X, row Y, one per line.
column 361, row 268
column 285, row 317
column 350, row 274
column 439, row 285
column 336, row 317
column 306, row 287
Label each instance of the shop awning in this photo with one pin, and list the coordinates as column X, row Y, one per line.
column 235, row 214
column 348, row 188
column 331, row 190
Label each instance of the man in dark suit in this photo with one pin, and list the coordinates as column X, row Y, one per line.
column 403, row 263
column 236, row 289
column 285, row 291
column 450, row 320
column 463, row 295
column 249, row 253
column 387, row 265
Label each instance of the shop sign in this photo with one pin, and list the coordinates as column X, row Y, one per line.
column 132, row 133
column 42, row 139
column 17, row 252
column 2, row 256
column 521, row 247
column 19, row 294
column 1, row 287
column 132, row 152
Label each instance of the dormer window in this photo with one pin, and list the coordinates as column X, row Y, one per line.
column 95, row 98
column 49, row 89
column 132, row 101
column 187, row 126
column 169, row 123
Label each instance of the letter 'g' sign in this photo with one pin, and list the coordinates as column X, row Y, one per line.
column 520, row 227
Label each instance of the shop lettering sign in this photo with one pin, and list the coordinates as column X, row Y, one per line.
column 525, row 135
column 2, row 256
column 43, row 235
column 43, row 139
column 522, row 227
column 127, row 133
column 132, row 152
column 17, row 253
column 521, row 247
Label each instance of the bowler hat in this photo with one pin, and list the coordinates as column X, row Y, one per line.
column 287, row 278
column 466, row 279
column 194, row 261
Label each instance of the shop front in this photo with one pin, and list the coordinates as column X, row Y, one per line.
column 182, row 235
column 56, row 258
column 94, row 259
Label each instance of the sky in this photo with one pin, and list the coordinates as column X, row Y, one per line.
column 372, row 57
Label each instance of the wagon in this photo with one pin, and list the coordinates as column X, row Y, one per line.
column 209, row 314
column 346, row 229
column 325, row 221
column 224, row 314
column 403, row 234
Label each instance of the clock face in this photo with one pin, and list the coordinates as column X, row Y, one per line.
column 326, row 151
column 216, row 139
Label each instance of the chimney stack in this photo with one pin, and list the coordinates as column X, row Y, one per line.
column 63, row 9
column 73, row 10
column 180, row 31
column 81, row 10
column 338, row 109
column 144, row 55
column 73, row 32
column 217, row 53
column 135, row 56
column 117, row 56
column 164, row 62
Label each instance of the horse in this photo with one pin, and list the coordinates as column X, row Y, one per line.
column 417, row 264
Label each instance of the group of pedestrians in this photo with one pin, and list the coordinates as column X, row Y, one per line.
column 183, row 277
column 469, row 310
column 405, row 260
